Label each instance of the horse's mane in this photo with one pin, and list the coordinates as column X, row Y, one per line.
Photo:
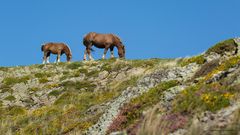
column 117, row 37
column 69, row 49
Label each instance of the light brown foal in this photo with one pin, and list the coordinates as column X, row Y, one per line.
column 55, row 48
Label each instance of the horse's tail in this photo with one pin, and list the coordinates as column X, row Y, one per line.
column 42, row 48
column 85, row 42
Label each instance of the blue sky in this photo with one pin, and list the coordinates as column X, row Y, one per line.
column 148, row 28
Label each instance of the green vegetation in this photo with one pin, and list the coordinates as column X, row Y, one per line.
column 43, row 80
column 4, row 69
column 15, row 111
column 5, row 88
column 196, row 59
column 55, row 93
column 10, row 98
column 34, row 89
column 15, row 80
column 44, row 74
column 75, row 65
column 68, row 113
column 146, row 63
column 223, row 47
column 77, row 86
column 132, row 112
column 203, row 97
column 225, row 65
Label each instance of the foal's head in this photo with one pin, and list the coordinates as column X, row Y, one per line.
column 121, row 51
column 68, row 53
column 69, row 57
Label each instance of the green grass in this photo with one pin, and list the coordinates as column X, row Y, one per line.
column 5, row 88
column 146, row 63
column 196, row 59
column 43, row 80
column 203, row 97
column 4, row 69
column 75, row 65
column 67, row 114
column 55, row 93
column 15, row 80
column 44, row 74
column 10, row 98
column 77, row 86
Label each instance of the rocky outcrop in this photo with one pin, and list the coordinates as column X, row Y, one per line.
column 143, row 85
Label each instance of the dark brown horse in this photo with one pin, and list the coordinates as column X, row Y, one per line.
column 105, row 41
column 56, row 48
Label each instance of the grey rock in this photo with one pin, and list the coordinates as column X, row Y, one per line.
column 103, row 75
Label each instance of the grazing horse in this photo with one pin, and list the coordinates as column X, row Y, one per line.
column 105, row 41
column 56, row 48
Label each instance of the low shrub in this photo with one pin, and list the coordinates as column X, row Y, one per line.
column 223, row 47
column 202, row 97
column 196, row 59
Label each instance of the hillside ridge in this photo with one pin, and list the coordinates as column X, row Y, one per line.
column 198, row 94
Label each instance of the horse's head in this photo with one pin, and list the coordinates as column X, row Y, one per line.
column 121, row 51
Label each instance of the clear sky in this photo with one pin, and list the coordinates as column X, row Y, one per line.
column 148, row 28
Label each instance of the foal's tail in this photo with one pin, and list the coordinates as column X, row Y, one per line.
column 42, row 48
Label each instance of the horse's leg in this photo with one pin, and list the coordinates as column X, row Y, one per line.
column 58, row 57
column 105, row 52
column 48, row 55
column 89, row 52
column 85, row 55
column 112, row 54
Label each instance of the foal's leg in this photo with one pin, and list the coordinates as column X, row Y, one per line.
column 44, row 58
column 105, row 52
column 112, row 54
column 89, row 53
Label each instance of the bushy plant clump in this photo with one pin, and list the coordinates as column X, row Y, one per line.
column 223, row 47
column 203, row 97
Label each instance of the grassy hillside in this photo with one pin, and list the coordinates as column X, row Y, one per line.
column 192, row 95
